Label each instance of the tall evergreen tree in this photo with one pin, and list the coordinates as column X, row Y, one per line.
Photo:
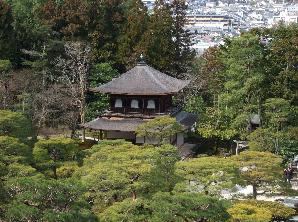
column 245, row 81
column 159, row 36
column 183, row 55
column 106, row 20
column 6, row 31
column 284, row 57
column 30, row 32
column 131, row 43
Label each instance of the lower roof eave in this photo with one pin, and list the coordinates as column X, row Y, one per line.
column 123, row 125
column 98, row 129
column 94, row 90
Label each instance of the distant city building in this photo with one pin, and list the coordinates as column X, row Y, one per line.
column 211, row 23
column 218, row 19
column 284, row 17
column 200, row 47
column 211, row 4
column 292, row 9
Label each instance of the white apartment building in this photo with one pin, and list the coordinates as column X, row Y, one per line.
column 285, row 17
column 209, row 22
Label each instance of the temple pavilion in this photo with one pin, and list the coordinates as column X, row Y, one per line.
column 136, row 96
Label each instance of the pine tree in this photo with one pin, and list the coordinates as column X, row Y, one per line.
column 245, row 85
column 183, row 55
column 7, row 46
column 131, row 43
column 159, row 36
column 30, row 33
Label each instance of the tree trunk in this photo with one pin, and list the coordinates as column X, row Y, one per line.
column 82, row 110
column 5, row 95
column 83, row 135
column 134, row 195
column 55, row 172
column 216, row 145
column 260, row 111
column 79, row 57
column 23, row 105
column 72, row 134
column 254, row 191
column 41, row 118
column 83, row 84
column 100, row 135
column 276, row 145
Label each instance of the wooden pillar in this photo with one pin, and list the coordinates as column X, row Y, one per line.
column 143, row 107
column 125, row 104
column 159, row 105
column 100, row 135
column 111, row 102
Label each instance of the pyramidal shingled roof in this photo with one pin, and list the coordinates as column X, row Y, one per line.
column 143, row 80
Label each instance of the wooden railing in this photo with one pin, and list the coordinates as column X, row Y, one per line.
column 125, row 110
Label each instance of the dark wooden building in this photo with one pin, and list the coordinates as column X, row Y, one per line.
column 137, row 96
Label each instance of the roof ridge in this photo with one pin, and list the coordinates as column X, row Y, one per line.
column 155, row 79
column 144, row 80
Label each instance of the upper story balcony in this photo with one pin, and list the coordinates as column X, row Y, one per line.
column 140, row 106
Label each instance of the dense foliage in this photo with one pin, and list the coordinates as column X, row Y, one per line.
column 52, row 51
column 250, row 210
column 14, row 124
column 60, row 48
column 57, row 180
column 160, row 128
column 249, row 82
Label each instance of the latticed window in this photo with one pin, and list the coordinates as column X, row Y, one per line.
column 134, row 104
column 151, row 104
column 118, row 103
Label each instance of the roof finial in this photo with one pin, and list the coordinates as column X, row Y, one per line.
column 141, row 60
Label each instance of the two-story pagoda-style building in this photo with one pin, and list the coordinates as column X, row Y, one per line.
column 139, row 95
